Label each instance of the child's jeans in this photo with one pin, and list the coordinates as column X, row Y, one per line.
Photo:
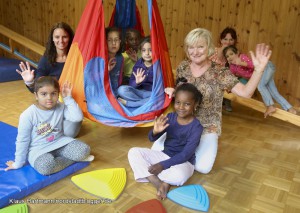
column 134, row 97
column 268, row 90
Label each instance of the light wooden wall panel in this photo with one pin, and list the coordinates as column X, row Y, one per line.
column 275, row 22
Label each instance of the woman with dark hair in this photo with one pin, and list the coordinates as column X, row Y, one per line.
column 51, row 64
column 53, row 48
column 227, row 37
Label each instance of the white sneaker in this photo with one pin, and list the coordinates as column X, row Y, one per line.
column 89, row 158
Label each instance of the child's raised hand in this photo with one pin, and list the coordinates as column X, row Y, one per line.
column 160, row 124
column 26, row 73
column 9, row 165
column 139, row 75
column 261, row 57
column 66, row 89
column 132, row 54
column 155, row 169
column 112, row 63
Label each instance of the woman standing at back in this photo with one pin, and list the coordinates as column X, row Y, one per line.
column 227, row 37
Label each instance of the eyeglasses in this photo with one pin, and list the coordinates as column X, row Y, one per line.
column 111, row 41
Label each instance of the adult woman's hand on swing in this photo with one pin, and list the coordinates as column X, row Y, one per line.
column 170, row 91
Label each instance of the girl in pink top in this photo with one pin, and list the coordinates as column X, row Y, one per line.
column 239, row 64
column 242, row 67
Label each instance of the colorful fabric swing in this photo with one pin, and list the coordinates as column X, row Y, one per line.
column 86, row 68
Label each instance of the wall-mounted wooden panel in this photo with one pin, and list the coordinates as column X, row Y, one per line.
column 274, row 22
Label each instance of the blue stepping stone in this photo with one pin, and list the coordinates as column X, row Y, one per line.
column 190, row 196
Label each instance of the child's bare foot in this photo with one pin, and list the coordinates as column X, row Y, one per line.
column 161, row 187
column 155, row 181
column 292, row 110
column 162, row 191
column 270, row 110
column 122, row 101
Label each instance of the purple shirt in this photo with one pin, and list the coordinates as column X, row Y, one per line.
column 147, row 83
column 181, row 142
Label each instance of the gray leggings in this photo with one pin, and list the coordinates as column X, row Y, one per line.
column 61, row 158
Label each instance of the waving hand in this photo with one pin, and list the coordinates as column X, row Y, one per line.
column 26, row 73
column 261, row 57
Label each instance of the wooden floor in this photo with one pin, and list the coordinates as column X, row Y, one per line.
column 257, row 167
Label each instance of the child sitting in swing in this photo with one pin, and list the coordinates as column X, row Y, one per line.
column 132, row 53
column 115, row 58
column 138, row 92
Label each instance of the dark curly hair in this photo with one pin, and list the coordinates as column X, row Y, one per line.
column 131, row 30
column 187, row 87
column 180, row 81
column 51, row 52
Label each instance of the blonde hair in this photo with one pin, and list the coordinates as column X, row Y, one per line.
column 193, row 37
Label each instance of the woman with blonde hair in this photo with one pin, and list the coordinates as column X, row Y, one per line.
column 211, row 80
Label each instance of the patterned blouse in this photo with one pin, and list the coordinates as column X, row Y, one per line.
column 212, row 85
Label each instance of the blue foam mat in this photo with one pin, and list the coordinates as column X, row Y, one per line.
column 17, row 184
column 8, row 69
column 190, row 196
